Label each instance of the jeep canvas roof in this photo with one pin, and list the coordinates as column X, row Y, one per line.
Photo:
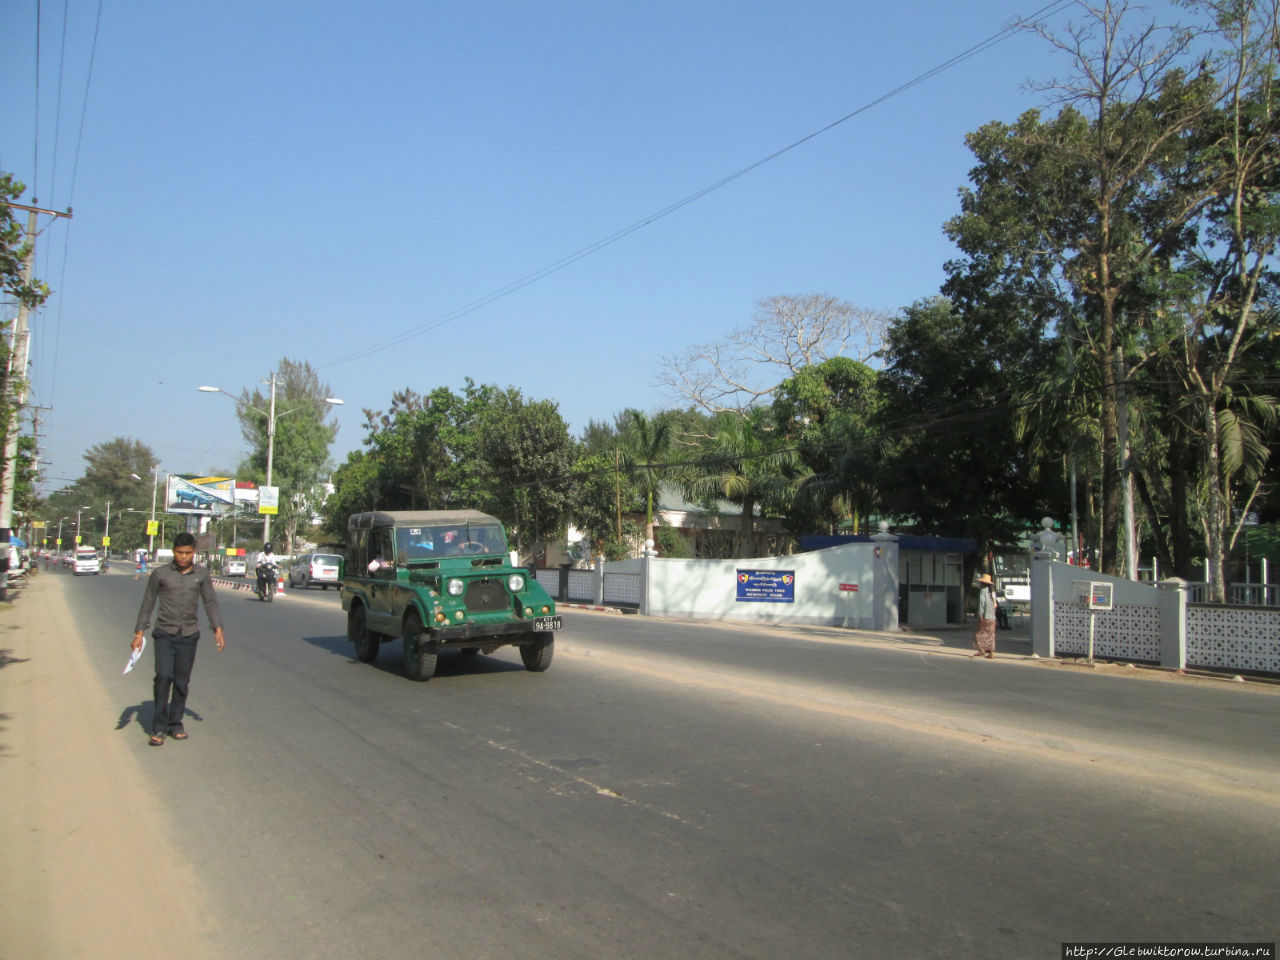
column 416, row 518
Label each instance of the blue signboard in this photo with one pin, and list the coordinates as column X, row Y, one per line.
column 774, row 586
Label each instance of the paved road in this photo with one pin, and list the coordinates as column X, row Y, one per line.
column 674, row 790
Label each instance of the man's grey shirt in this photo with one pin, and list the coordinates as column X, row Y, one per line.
column 179, row 595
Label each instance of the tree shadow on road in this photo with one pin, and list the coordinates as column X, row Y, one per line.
column 7, row 657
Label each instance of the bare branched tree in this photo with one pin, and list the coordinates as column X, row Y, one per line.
column 787, row 334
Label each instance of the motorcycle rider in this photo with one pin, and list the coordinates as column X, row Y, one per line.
column 265, row 566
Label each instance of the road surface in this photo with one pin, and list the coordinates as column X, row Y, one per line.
column 694, row 790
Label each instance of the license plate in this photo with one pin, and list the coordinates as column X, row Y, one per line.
column 543, row 624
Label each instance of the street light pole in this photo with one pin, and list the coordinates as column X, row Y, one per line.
column 271, row 447
column 271, row 437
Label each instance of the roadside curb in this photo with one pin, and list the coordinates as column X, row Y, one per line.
column 589, row 606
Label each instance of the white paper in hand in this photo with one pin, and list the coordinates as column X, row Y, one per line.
column 135, row 656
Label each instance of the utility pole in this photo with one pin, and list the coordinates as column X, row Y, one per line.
column 16, row 391
column 271, row 447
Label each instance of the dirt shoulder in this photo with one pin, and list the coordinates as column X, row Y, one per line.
column 86, row 845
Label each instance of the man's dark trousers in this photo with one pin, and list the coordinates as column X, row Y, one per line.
column 175, row 656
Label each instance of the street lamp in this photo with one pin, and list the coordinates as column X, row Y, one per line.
column 271, row 416
column 80, row 510
column 155, row 480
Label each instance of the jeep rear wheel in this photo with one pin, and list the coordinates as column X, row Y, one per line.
column 419, row 651
column 366, row 643
column 537, row 655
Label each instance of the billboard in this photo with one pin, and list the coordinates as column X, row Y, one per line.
column 203, row 499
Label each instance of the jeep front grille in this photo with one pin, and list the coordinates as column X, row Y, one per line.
column 486, row 596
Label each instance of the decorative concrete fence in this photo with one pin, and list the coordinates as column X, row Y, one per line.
column 853, row 585
column 1148, row 623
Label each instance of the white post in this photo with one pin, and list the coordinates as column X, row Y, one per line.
column 151, row 537
column 1042, row 601
column 271, row 442
column 646, row 570
column 1172, row 605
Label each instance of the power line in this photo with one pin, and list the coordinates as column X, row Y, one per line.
column 568, row 260
column 75, row 168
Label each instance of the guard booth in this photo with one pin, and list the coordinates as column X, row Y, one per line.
column 931, row 580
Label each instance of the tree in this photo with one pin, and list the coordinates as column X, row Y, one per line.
column 746, row 461
column 355, row 490
column 787, row 334
column 828, row 411
column 646, row 444
column 109, row 475
column 487, row 449
column 300, row 452
column 528, row 459
column 1231, row 315
column 952, row 464
column 15, row 250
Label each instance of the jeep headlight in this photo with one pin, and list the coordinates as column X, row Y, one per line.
column 515, row 582
column 455, row 587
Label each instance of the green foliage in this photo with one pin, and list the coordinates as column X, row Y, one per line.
column 300, row 452
column 488, row 449
column 528, row 457
column 952, row 462
column 14, row 250
column 109, row 472
column 746, row 461
column 624, row 547
column 828, row 412
column 670, row 543
column 646, row 445
column 29, row 292
column 603, row 494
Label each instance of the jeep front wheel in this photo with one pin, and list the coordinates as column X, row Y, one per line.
column 419, row 651
column 537, row 655
column 366, row 643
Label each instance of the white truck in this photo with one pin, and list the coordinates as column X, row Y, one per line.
column 86, row 561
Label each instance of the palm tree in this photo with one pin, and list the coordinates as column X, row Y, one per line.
column 647, row 446
column 745, row 462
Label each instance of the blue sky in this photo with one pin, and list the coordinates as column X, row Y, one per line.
column 260, row 180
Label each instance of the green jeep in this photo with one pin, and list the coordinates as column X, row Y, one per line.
column 441, row 578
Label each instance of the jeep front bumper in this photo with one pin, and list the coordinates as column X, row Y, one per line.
column 511, row 631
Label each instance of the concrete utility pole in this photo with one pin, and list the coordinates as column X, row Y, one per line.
column 17, row 397
column 272, row 417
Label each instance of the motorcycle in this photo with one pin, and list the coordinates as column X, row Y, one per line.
column 266, row 587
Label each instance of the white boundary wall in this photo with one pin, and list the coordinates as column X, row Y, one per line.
column 853, row 585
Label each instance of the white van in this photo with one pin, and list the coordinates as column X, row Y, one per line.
column 86, row 561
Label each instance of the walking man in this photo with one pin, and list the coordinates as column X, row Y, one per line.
column 178, row 586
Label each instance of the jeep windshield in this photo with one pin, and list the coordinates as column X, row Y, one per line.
column 431, row 544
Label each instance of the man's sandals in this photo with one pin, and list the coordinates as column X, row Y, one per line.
column 157, row 739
